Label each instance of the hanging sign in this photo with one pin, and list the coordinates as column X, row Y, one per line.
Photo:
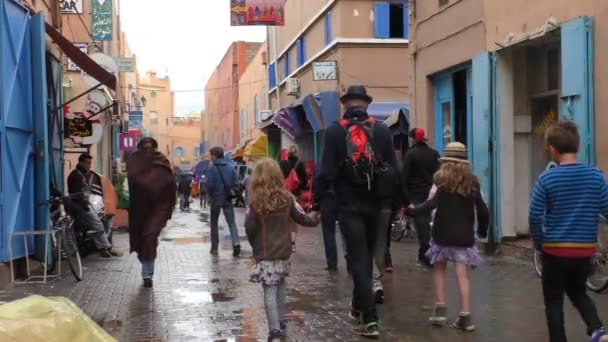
column 101, row 19
column 84, row 47
column 128, row 142
column 125, row 64
column 70, row 6
column 257, row 12
column 86, row 128
column 136, row 119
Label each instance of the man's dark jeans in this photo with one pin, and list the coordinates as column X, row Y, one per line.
column 228, row 210
column 329, row 215
column 567, row 275
column 360, row 232
column 422, row 223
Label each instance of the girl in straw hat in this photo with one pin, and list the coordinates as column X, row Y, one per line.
column 458, row 203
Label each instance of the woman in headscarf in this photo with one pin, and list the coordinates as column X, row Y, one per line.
column 152, row 200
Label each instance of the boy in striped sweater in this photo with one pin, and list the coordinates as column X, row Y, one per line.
column 564, row 211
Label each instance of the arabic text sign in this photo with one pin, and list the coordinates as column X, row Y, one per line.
column 324, row 71
column 257, row 12
column 78, row 127
column 70, row 6
column 136, row 120
column 101, row 19
column 84, row 47
column 126, row 64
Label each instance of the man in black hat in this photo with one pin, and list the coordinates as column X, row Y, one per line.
column 419, row 166
column 359, row 204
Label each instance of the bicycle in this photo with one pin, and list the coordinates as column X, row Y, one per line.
column 597, row 280
column 63, row 226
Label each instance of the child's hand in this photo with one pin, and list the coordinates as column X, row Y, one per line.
column 316, row 216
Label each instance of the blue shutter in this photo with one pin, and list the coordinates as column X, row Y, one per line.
column 382, row 20
column 301, row 51
column 444, row 108
column 41, row 130
column 480, row 125
column 406, row 20
column 286, row 64
column 577, row 82
column 328, row 33
column 272, row 80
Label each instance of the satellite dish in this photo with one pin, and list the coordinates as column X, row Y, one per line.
column 105, row 61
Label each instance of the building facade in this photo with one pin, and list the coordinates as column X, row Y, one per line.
column 253, row 102
column 158, row 104
column 185, row 137
column 221, row 121
column 324, row 47
column 495, row 74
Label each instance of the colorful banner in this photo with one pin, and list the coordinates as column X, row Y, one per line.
column 101, row 19
column 128, row 142
column 257, row 12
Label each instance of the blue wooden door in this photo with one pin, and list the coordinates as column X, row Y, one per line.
column 483, row 148
column 55, row 122
column 17, row 138
column 444, row 109
column 577, row 82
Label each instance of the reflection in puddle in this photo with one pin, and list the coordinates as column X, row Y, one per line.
column 187, row 240
column 197, row 297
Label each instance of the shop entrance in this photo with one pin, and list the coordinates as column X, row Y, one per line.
column 453, row 107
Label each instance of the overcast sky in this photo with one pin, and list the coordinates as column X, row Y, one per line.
column 186, row 37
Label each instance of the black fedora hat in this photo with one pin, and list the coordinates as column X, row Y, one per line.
column 356, row 92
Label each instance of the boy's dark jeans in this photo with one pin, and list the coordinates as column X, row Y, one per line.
column 360, row 231
column 566, row 275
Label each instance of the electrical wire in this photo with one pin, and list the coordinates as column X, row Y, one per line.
column 88, row 32
column 193, row 90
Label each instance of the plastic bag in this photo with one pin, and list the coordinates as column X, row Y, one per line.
column 52, row 319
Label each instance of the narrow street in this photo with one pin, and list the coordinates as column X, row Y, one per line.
column 197, row 297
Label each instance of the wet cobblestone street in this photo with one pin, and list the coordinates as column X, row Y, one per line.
column 199, row 297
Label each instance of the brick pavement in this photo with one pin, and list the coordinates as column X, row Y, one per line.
column 198, row 297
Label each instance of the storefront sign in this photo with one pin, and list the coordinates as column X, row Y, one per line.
column 101, row 19
column 84, row 47
column 257, row 12
column 324, row 71
column 86, row 128
column 128, row 142
column 126, row 64
column 70, row 6
column 136, row 119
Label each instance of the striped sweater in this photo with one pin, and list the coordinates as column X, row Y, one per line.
column 565, row 208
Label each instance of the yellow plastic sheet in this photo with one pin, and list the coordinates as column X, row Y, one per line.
column 52, row 319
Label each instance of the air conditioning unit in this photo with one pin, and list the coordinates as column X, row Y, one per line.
column 293, row 86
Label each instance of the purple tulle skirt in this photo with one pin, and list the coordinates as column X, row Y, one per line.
column 459, row 255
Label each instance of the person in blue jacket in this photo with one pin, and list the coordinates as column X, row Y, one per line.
column 221, row 178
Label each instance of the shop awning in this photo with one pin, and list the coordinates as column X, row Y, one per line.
column 321, row 109
column 238, row 151
column 81, row 59
column 287, row 120
column 393, row 119
column 382, row 110
column 257, row 148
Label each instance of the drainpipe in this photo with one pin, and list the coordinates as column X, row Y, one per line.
column 276, row 60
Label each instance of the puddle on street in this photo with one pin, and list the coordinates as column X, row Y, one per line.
column 201, row 282
column 238, row 339
column 198, row 297
column 187, row 240
column 111, row 325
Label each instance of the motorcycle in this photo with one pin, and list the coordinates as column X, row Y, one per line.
column 84, row 236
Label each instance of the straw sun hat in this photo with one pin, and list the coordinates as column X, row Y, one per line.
column 455, row 152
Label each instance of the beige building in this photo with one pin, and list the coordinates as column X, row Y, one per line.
column 324, row 47
column 158, row 104
column 185, row 138
column 495, row 74
column 253, row 100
